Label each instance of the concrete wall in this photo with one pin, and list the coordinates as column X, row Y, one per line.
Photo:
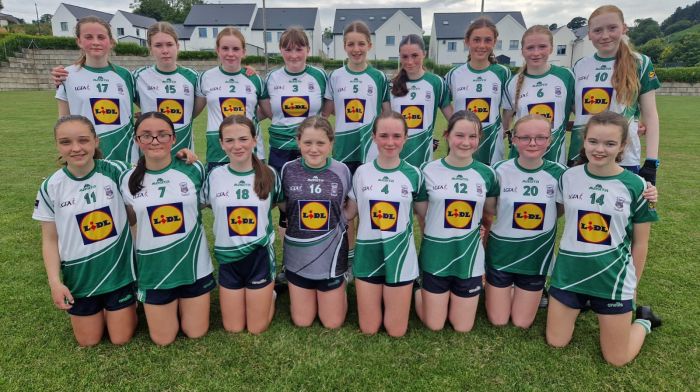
column 679, row 89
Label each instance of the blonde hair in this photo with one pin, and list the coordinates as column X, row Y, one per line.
column 294, row 36
column 477, row 24
column 230, row 31
column 160, row 27
column 536, row 29
column 91, row 19
column 531, row 117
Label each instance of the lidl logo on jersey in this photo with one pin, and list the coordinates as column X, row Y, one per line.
column 174, row 109
column 596, row 99
column 166, row 219
column 295, row 106
column 105, row 111
column 96, row 225
column 528, row 216
column 544, row 109
column 232, row 106
column 459, row 214
column 481, row 107
column 314, row 215
column 593, row 228
column 413, row 115
column 384, row 215
column 242, row 221
column 354, row 110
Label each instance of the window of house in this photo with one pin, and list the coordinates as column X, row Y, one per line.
column 268, row 36
column 499, row 45
column 64, row 26
column 390, row 40
column 279, row 35
column 214, row 31
column 561, row 50
column 120, row 31
column 138, row 32
column 513, row 44
column 451, row 46
column 202, row 32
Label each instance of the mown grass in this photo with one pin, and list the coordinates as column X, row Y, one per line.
column 39, row 353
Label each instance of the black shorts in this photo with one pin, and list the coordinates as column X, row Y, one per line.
column 465, row 288
column 166, row 296
column 314, row 284
column 255, row 271
column 114, row 300
column 598, row 305
column 352, row 166
column 382, row 280
column 505, row 279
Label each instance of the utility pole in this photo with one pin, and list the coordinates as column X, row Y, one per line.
column 265, row 36
column 38, row 22
column 482, row 6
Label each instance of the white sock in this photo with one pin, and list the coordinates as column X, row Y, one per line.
column 646, row 324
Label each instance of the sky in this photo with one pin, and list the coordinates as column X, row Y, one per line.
column 534, row 11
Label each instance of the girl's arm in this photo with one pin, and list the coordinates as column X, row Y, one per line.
column 328, row 108
column 650, row 118
column 265, row 109
column 640, row 246
column 507, row 118
column 350, row 210
column 60, row 294
column 560, row 210
column 63, row 108
column 487, row 218
column 447, row 111
column 199, row 104
column 421, row 208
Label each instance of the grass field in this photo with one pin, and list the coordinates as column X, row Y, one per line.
column 39, row 353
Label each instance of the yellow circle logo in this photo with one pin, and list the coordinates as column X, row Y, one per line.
column 593, row 228
column 458, row 214
column 173, row 109
column 96, row 225
column 167, row 220
column 295, row 106
column 528, row 216
column 384, row 215
column 543, row 109
column 596, row 100
column 481, row 107
column 232, row 107
column 243, row 221
column 354, row 110
column 413, row 114
column 314, row 216
column 106, row 111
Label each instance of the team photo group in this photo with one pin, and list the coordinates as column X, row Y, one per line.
column 121, row 220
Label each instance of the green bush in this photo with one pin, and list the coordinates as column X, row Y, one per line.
column 130, row 49
column 196, row 55
column 14, row 43
column 680, row 74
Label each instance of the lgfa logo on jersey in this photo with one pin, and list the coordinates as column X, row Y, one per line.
column 166, row 219
column 413, row 115
column 232, row 106
column 242, row 221
column 384, row 215
column 354, row 110
column 174, row 109
column 544, row 109
column 295, row 106
column 459, row 214
column 96, row 225
column 593, row 228
column 481, row 107
column 314, row 215
column 596, row 99
column 105, row 111
column 528, row 216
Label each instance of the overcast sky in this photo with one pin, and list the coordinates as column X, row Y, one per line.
column 537, row 11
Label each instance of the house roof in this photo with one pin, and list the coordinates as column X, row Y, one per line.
column 138, row 20
column 281, row 18
column 453, row 25
column 9, row 18
column 81, row 12
column 373, row 17
column 220, row 15
column 183, row 32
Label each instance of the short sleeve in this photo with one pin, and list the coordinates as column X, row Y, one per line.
column 61, row 92
column 328, row 94
column 445, row 97
column 648, row 80
column 43, row 205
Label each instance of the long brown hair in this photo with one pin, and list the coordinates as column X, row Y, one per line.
column 76, row 118
column 606, row 118
column 389, row 115
column 294, row 36
column 226, row 31
column 91, row 19
column 358, row 26
column 536, row 29
column 317, row 122
column 467, row 115
column 477, row 24
column 136, row 179
column 398, row 83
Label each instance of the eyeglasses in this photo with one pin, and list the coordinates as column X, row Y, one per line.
column 148, row 139
column 539, row 140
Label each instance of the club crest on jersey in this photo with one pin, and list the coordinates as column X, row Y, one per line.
column 479, row 190
column 494, row 88
column 619, row 203
column 413, row 115
column 186, row 90
column 334, row 189
column 596, row 99
column 242, row 221
column 557, row 91
column 297, row 106
column 311, row 87
column 544, row 109
column 550, row 191
column 528, row 216
column 232, row 106
column 166, row 219
column 184, row 190
column 370, row 90
column 109, row 192
column 105, row 111
column 428, row 95
column 481, row 107
column 384, row 215
column 459, row 214
column 593, row 228
column 354, row 110
column 96, row 225
column 174, row 109
column 314, row 215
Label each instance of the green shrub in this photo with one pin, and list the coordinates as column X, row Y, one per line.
column 680, row 74
column 130, row 49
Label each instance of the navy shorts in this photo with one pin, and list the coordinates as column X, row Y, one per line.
column 352, row 166
column 382, row 280
column 253, row 272
column 213, row 165
column 114, row 300
column 505, row 279
column 166, row 296
column 465, row 288
column 634, row 169
column 598, row 305
column 314, row 284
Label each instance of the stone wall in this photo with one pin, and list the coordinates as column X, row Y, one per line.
column 679, row 89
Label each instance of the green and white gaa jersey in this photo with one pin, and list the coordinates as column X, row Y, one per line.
column 481, row 91
column 522, row 238
column 426, row 96
column 357, row 98
column 105, row 96
column 385, row 245
column 170, row 93
column 550, row 95
column 595, row 94
column 227, row 94
column 94, row 241
column 451, row 243
column 171, row 248
column 293, row 97
column 242, row 222
column 595, row 255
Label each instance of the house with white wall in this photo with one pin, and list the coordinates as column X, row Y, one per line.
column 205, row 20
column 66, row 17
column 387, row 26
column 128, row 27
column 563, row 49
column 279, row 19
column 583, row 47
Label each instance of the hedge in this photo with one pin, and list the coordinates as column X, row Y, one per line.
column 680, row 74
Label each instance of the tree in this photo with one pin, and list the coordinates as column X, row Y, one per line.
column 644, row 30
column 653, row 48
column 576, row 22
column 690, row 13
column 678, row 26
column 174, row 11
column 684, row 53
column 46, row 18
column 1, row 6
column 553, row 27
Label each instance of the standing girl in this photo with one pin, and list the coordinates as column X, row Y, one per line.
column 418, row 95
column 459, row 196
column 604, row 246
column 242, row 195
column 479, row 86
column 315, row 242
column 386, row 263
column 99, row 90
column 86, row 238
column 174, row 271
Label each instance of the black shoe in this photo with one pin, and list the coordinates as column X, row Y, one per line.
column 645, row 312
column 281, row 283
